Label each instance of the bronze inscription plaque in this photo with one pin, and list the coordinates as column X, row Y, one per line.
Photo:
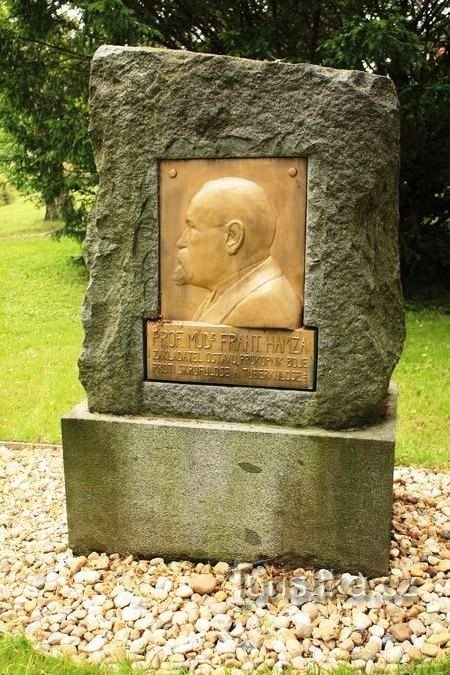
column 232, row 235
column 187, row 352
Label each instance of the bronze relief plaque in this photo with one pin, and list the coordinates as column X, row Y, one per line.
column 232, row 251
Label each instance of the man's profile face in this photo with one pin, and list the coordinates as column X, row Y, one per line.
column 229, row 222
column 202, row 257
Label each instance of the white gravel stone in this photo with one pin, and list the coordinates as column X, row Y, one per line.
column 88, row 577
column 221, row 622
column 237, row 631
column 393, row 654
column 179, row 618
column 32, row 628
column 294, row 647
column 226, row 647
column 163, row 618
column 282, row 622
column 95, row 644
column 218, row 607
column 241, row 619
column 221, row 568
column 38, row 582
column 55, row 638
column 324, row 575
column 91, row 623
column 99, row 600
column 303, row 625
column 202, row 625
column 184, row 648
column 164, row 584
column 361, row 621
column 138, row 646
column 123, row 599
column 131, row 613
column 252, row 622
column 184, row 591
column 377, row 630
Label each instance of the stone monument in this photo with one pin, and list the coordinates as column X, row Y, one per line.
column 243, row 316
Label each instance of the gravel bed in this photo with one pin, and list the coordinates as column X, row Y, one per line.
column 163, row 614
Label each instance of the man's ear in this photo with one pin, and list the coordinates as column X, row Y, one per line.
column 234, row 236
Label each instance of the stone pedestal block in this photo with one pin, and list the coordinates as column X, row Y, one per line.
column 185, row 489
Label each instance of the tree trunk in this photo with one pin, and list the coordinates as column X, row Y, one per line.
column 58, row 207
column 316, row 20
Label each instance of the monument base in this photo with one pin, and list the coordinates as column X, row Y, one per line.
column 204, row 490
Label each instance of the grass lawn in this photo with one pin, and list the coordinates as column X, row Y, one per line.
column 17, row 657
column 423, row 377
column 22, row 217
column 40, row 299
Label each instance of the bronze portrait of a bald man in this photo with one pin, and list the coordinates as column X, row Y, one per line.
column 225, row 248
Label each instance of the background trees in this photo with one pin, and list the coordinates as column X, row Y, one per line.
column 43, row 105
column 46, row 45
column 409, row 41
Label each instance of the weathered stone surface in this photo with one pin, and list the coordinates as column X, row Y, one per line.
column 229, row 491
column 148, row 104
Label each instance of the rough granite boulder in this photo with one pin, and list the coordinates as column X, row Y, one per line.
column 148, row 104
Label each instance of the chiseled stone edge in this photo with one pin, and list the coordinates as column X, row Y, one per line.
column 241, row 404
column 142, row 103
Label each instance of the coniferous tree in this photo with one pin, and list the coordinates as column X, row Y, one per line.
column 46, row 45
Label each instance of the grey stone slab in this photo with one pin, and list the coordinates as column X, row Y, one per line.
column 227, row 491
column 148, row 104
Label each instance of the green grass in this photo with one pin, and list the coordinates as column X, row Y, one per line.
column 423, row 377
column 17, row 657
column 40, row 301
column 22, row 217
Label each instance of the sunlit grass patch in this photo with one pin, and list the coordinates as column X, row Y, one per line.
column 423, row 377
column 40, row 302
column 23, row 217
column 18, row 657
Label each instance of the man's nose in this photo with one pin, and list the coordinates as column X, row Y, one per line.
column 183, row 240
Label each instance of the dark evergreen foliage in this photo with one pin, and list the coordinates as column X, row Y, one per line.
column 46, row 45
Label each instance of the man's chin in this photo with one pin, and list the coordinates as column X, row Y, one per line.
column 179, row 276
